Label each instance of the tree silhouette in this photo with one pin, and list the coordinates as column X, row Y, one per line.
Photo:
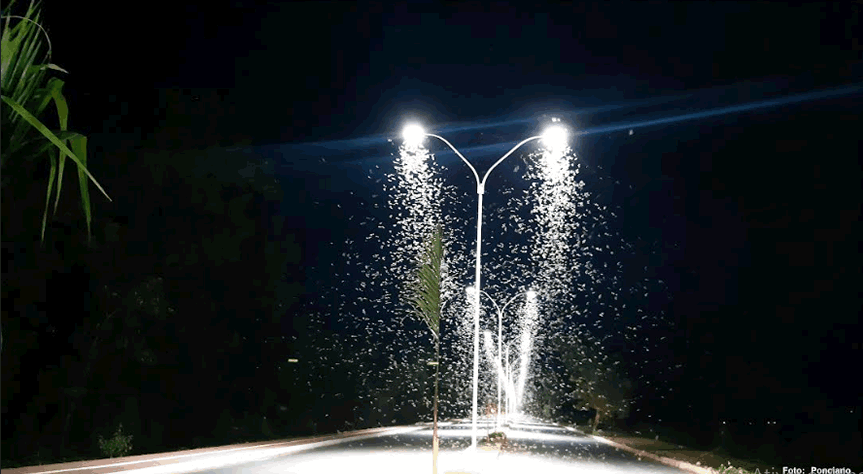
column 598, row 380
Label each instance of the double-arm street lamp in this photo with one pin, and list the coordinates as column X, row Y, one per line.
column 500, row 310
column 554, row 138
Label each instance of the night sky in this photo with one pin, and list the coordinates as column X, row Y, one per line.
column 724, row 135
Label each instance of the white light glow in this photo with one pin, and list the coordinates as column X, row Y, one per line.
column 528, row 328
column 555, row 138
column 489, row 346
column 413, row 135
column 233, row 457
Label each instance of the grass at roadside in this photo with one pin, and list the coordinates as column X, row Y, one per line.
column 45, row 457
column 716, row 459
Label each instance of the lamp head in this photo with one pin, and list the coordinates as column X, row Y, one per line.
column 555, row 138
column 413, row 135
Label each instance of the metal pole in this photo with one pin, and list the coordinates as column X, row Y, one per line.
column 480, row 192
column 508, row 389
column 500, row 361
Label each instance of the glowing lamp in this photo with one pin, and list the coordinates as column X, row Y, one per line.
column 555, row 138
column 413, row 135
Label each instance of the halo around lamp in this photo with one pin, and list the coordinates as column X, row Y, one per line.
column 555, row 138
column 413, row 135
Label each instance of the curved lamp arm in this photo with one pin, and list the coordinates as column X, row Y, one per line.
column 499, row 311
column 513, row 299
column 507, row 155
column 475, row 174
column 480, row 185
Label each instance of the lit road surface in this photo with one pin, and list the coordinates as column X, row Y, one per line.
column 533, row 447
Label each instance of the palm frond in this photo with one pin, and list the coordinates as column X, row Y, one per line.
column 55, row 85
column 425, row 294
column 21, row 46
column 24, row 62
column 53, row 138
column 79, row 146
column 52, row 173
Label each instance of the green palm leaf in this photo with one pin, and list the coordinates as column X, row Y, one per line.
column 425, row 299
column 52, row 137
column 21, row 47
column 23, row 66
column 79, row 146
column 53, row 172
column 426, row 293
column 63, row 114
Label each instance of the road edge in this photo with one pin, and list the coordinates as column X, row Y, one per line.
column 664, row 460
column 145, row 461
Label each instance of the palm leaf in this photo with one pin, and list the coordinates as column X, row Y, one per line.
column 425, row 299
column 54, row 86
column 51, row 156
column 36, row 105
column 53, row 138
column 36, row 147
column 425, row 296
column 23, row 66
column 79, row 145
column 21, row 47
column 36, row 102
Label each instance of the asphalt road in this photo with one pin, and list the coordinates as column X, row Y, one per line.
column 532, row 447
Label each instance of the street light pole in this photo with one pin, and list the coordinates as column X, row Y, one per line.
column 480, row 189
column 508, row 390
column 499, row 362
column 501, row 375
column 554, row 137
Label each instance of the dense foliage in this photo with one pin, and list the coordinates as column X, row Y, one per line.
column 27, row 92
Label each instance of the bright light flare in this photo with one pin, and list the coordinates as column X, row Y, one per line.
column 555, row 138
column 489, row 345
column 413, row 135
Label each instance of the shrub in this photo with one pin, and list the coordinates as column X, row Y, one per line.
column 116, row 446
column 265, row 428
column 729, row 469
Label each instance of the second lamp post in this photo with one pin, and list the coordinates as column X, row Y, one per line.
column 531, row 295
